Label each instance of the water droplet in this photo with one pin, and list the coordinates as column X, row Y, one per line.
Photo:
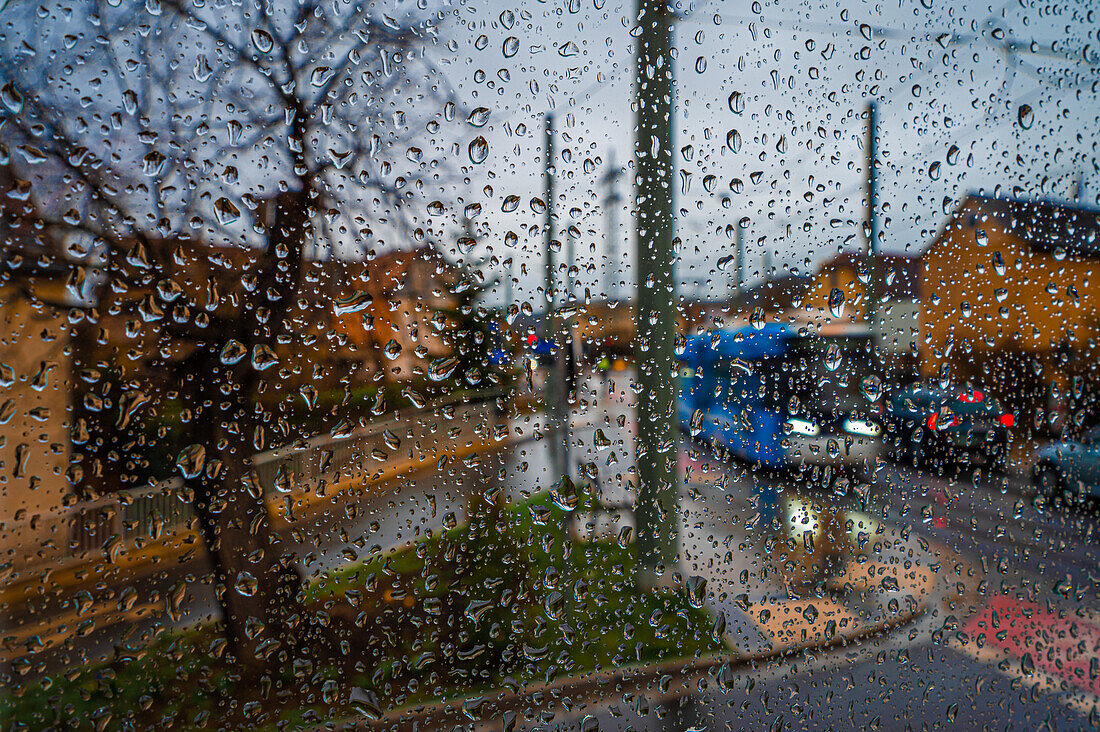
column 836, row 302
column 733, row 140
column 152, row 164
column 600, row 440
column 833, row 357
column 246, row 584
column 263, row 357
column 555, row 605
column 998, row 263
column 696, row 425
column 737, row 102
column 871, row 386
column 442, row 368
column 225, row 211
column 320, row 76
column 479, row 117
column 697, row 591
column 466, row 244
column 191, row 461
column 11, row 98
column 479, row 150
column 564, row 494
column 980, row 237
column 757, row 318
column 232, row 352
column 202, row 71
column 511, row 203
column 568, row 49
column 262, row 40
column 1025, row 116
column 392, row 349
column 353, row 303
column 510, row 47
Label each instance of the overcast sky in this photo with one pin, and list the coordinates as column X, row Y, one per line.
column 939, row 73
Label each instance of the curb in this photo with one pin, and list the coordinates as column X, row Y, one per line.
column 481, row 708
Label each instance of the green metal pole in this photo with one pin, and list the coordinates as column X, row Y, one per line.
column 655, row 314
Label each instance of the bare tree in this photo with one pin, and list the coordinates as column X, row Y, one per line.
column 147, row 128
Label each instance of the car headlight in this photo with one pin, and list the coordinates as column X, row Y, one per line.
column 862, row 427
column 803, row 427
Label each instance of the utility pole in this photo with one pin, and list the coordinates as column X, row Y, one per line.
column 548, row 183
column 655, row 316
column 610, row 269
column 570, row 255
column 739, row 261
column 557, row 410
column 872, row 225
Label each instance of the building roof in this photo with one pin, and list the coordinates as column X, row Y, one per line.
column 897, row 275
column 1045, row 225
column 776, row 293
column 392, row 273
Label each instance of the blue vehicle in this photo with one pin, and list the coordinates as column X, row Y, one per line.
column 782, row 398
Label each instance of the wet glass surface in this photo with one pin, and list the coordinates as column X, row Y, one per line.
column 557, row 365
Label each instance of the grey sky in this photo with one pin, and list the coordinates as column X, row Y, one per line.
column 940, row 75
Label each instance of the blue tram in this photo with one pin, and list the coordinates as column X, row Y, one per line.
column 782, row 398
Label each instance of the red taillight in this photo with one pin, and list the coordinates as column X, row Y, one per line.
column 934, row 420
column 1007, row 420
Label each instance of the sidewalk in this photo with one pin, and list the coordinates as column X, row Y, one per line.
column 766, row 623
column 800, row 580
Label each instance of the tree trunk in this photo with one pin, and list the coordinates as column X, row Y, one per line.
column 258, row 584
column 259, row 587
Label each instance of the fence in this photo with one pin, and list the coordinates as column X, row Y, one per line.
column 134, row 517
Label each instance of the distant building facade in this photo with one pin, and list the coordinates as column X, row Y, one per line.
column 839, row 293
column 1009, row 292
column 35, row 386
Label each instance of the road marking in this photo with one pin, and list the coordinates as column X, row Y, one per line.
column 1044, row 650
column 1076, row 700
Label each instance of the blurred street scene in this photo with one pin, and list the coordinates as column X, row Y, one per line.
column 418, row 366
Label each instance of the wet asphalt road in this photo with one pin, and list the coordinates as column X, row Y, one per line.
column 990, row 536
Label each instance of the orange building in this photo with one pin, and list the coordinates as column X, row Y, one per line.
column 35, row 387
column 838, row 294
column 1009, row 300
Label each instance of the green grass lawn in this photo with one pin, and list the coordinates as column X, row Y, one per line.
column 501, row 602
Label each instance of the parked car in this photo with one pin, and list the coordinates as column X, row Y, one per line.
column 1069, row 466
column 943, row 426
